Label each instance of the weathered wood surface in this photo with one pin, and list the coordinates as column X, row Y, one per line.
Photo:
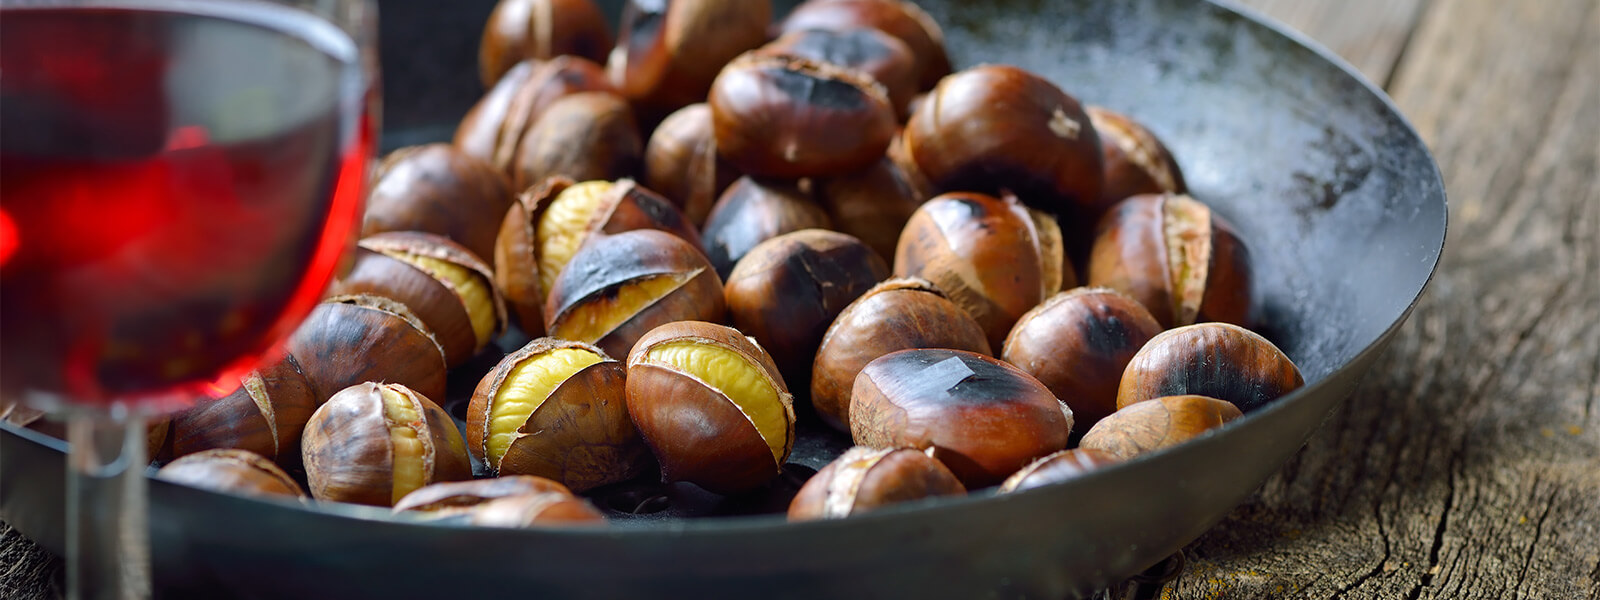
column 1468, row 463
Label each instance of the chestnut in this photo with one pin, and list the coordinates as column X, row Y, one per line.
column 1177, row 258
column 877, row 54
column 522, row 29
column 784, row 116
column 493, row 128
column 556, row 409
column 1077, row 343
column 752, row 211
column 711, row 405
column 437, row 188
column 1219, row 360
column 903, row 20
column 616, row 290
column 233, row 471
column 584, row 136
column 449, row 288
column 1159, row 423
column 353, row 339
column 897, row 314
column 981, row 417
column 991, row 256
column 455, row 497
column 1136, row 162
column 681, row 162
column 536, row 510
column 872, row 204
column 669, row 51
column 265, row 415
column 788, row 289
column 1057, row 467
column 863, row 479
column 997, row 127
column 373, row 443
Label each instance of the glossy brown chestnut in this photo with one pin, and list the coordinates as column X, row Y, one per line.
column 540, row 509
column 439, row 189
column 1077, row 343
column 903, row 20
column 354, row 339
column 992, row 257
column 872, row 204
column 863, row 479
column 494, row 128
column 668, row 52
column 1159, row 423
column 897, row 314
column 265, row 416
column 711, row 405
column 783, row 116
column 981, row 417
column 233, row 471
column 584, row 136
column 374, row 443
column 997, row 127
column 788, row 289
column 542, row 29
column 752, row 211
column 456, row 497
column 1177, row 258
column 1219, row 360
column 1056, row 467
column 1136, row 162
column 681, row 162
column 877, row 54
column 617, row 289
column 556, row 409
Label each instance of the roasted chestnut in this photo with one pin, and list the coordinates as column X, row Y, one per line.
column 681, row 162
column 233, row 471
column 374, row 443
column 584, row 136
column 1077, row 343
column 556, row 409
column 871, row 51
column 788, row 289
column 455, row 497
column 752, row 211
column 872, row 204
column 494, row 128
column 543, row 29
column 1177, row 258
column 669, row 51
column 1136, row 162
column 991, row 256
column 903, row 20
column 1057, row 467
column 354, row 339
column 1159, row 423
column 265, row 416
column 536, row 510
column 616, row 290
column 996, row 127
column 863, row 479
column 1219, row 360
column 894, row 315
column 981, row 417
column 711, row 405
column 784, row 116
column 439, row 189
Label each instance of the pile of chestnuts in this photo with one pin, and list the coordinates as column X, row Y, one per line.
column 733, row 234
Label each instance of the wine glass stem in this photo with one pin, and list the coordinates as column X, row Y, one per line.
column 108, row 548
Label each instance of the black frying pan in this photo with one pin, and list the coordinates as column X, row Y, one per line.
column 1336, row 194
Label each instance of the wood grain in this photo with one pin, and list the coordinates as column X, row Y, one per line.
column 1468, row 463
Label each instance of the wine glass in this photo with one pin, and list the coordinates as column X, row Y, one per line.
column 178, row 182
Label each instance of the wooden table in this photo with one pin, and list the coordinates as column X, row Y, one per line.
column 1468, row 463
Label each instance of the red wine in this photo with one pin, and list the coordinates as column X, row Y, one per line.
column 177, row 184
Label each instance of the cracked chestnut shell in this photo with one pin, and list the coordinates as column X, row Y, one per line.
column 873, row 204
column 541, row 29
column 997, row 127
column 374, row 443
column 456, row 497
column 558, row 410
column 754, row 210
column 897, row 314
column 981, row 417
column 711, row 405
column 903, row 20
column 437, row 188
column 354, row 339
column 668, row 52
column 1219, row 360
column 265, row 416
column 1136, row 162
column 864, row 479
column 1057, row 467
column 788, row 289
column 785, row 116
column 874, row 53
column 1077, row 343
column 1156, row 424
column 231, row 470
column 681, row 162
column 585, row 136
column 493, row 129
column 1177, row 258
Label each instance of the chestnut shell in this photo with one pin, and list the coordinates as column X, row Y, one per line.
column 1218, row 360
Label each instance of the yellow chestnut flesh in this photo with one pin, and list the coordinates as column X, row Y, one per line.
column 408, row 446
column 528, row 385
column 564, row 226
column 473, row 289
column 732, row 376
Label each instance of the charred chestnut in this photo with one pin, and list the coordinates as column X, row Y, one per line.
column 494, row 128
column 668, row 52
column 877, row 54
column 783, row 116
column 872, row 204
column 615, row 291
column 1219, row 360
column 681, row 162
column 1077, row 343
column 439, row 189
column 752, row 211
column 903, row 20
column 542, row 29
column 584, row 136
